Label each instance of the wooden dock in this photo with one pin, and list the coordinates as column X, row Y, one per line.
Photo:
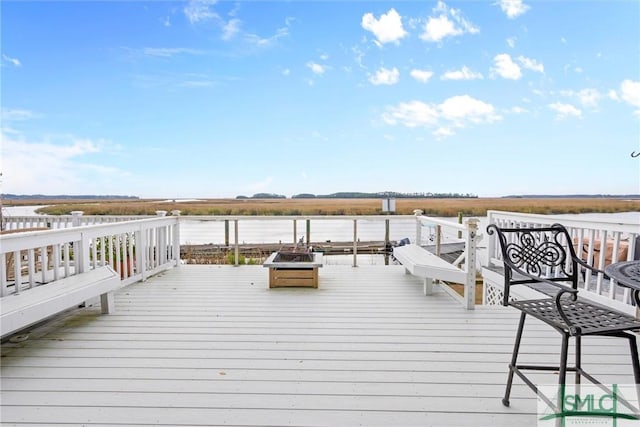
column 212, row 345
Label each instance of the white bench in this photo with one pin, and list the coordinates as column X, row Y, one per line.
column 32, row 305
column 421, row 263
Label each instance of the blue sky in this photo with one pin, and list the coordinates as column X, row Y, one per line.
column 218, row 99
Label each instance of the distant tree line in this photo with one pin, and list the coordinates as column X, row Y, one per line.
column 360, row 195
column 65, row 196
column 573, row 196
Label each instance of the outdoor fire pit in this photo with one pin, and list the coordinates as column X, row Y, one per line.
column 293, row 269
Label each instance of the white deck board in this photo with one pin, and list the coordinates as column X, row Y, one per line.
column 212, row 345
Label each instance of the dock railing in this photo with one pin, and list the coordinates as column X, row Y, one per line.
column 598, row 243
column 136, row 249
column 465, row 236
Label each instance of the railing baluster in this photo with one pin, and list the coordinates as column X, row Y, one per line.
column 17, row 273
column 31, row 266
column 44, row 262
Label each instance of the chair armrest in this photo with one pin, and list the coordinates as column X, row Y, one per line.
column 590, row 267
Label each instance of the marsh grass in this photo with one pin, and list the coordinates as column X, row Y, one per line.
column 431, row 207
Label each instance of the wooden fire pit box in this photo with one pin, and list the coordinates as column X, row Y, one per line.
column 287, row 269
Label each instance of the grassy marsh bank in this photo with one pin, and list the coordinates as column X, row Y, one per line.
column 433, row 207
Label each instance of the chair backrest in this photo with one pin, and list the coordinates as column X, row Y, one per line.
column 540, row 252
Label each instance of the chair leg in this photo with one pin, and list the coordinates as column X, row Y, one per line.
column 562, row 375
column 578, row 360
column 514, row 359
column 634, row 358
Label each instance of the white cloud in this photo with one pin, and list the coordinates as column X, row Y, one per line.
column 387, row 29
column 511, row 42
column 421, row 75
column 630, row 92
column 589, row 97
column 267, row 41
column 531, row 64
column 443, row 132
column 167, row 52
column 316, row 68
column 412, row 114
column 513, row 8
column 463, row 74
column 505, row 67
column 62, row 160
column 199, row 10
column 454, row 112
column 385, row 76
column 13, row 61
column 466, row 108
column 446, row 22
column 565, row 110
column 231, row 29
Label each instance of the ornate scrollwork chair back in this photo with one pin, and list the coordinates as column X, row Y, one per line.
column 540, row 254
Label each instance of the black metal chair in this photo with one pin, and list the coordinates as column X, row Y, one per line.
column 544, row 259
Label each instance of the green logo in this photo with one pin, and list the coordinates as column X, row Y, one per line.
column 587, row 405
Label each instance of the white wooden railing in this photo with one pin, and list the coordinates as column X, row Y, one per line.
column 54, row 222
column 599, row 243
column 466, row 235
column 136, row 249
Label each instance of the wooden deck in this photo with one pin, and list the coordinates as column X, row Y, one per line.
column 212, row 345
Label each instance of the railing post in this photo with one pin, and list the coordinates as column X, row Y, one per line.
column 176, row 238
column 295, row 231
column 79, row 246
column 387, row 243
column 470, row 261
column 491, row 243
column 76, row 218
column 237, row 248
column 418, row 213
column 308, row 232
column 81, row 254
column 355, row 242
column 142, row 252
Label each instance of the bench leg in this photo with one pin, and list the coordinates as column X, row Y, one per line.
column 107, row 303
column 428, row 286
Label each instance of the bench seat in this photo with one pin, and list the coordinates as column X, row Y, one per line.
column 17, row 311
column 421, row 263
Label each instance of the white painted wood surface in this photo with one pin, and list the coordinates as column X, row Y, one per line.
column 422, row 263
column 212, row 345
column 38, row 303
